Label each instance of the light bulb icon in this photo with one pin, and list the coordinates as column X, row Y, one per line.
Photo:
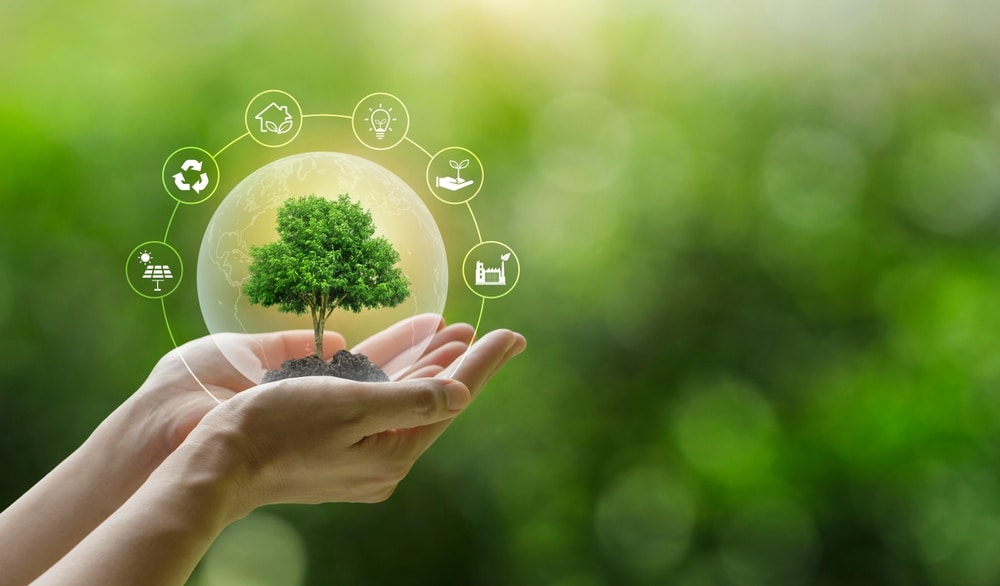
column 380, row 118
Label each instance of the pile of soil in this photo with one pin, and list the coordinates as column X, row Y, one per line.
column 343, row 364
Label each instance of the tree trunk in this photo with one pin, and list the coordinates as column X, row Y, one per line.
column 318, row 324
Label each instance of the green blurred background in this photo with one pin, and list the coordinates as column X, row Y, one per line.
column 761, row 269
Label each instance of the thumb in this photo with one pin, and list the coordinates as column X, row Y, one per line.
column 413, row 403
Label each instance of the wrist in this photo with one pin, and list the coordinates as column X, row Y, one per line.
column 158, row 535
column 122, row 452
column 217, row 463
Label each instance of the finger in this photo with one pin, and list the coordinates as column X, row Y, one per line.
column 460, row 332
column 200, row 359
column 209, row 360
column 520, row 345
column 430, row 371
column 476, row 366
column 439, row 359
column 412, row 403
column 384, row 348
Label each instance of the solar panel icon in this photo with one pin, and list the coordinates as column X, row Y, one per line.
column 154, row 270
column 157, row 274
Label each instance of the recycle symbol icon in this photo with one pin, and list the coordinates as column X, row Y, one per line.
column 183, row 185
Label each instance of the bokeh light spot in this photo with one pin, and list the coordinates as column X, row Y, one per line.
column 812, row 177
column 582, row 141
column 950, row 182
column 644, row 521
column 770, row 543
column 956, row 521
column 260, row 550
column 725, row 429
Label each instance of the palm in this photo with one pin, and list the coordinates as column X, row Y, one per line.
column 183, row 400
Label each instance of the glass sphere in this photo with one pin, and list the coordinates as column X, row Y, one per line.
column 248, row 217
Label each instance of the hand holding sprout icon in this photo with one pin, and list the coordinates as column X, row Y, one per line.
column 455, row 183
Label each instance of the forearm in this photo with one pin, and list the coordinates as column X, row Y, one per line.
column 160, row 533
column 80, row 493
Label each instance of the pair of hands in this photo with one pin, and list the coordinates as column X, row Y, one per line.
column 321, row 439
column 144, row 497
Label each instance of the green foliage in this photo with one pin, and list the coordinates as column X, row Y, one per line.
column 327, row 257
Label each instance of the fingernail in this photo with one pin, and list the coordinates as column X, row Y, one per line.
column 457, row 396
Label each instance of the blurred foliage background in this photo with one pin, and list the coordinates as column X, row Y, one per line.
column 761, row 269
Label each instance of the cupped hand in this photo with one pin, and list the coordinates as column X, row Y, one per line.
column 194, row 378
column 323, row 439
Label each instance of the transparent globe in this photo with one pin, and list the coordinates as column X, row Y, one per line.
column 248, row 217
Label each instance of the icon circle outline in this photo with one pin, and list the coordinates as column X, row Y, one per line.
column 208, row 192
column 482, row 176
column 298, row 119
column 180, row 272
column 354, row 121
column 465, row 273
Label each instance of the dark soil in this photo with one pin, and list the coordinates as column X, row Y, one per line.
column 343, row 364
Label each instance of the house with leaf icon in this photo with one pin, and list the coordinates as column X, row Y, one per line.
column 274, row 118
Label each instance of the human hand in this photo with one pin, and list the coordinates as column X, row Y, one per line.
column 322, row 439
column 452, row 184
column 194, row 378
column 191, row 380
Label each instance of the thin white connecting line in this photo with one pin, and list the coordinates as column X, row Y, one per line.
column 180, row 354
column 475, row 334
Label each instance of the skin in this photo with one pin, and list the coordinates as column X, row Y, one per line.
column 149, row 491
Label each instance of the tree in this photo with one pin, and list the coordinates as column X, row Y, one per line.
column 327, row 257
